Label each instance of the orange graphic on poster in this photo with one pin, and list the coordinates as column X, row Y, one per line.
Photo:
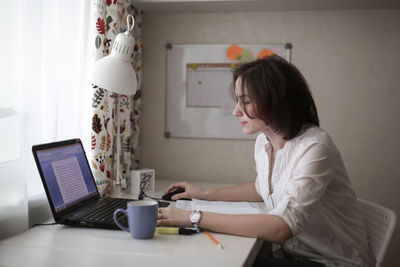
column 233, row 52
column 264, row 53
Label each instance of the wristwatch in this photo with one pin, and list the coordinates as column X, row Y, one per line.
column 195, row 217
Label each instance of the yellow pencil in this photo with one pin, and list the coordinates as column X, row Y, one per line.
column 219, row 245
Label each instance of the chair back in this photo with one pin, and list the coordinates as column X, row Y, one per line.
column 380, row 223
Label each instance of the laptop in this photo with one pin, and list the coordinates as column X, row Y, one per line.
column 71, row 189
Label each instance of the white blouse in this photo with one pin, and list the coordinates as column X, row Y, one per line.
column 313, row 195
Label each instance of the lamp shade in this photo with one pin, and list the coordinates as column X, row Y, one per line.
column 115, row 73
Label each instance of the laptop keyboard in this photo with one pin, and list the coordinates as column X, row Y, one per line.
column 104, row 210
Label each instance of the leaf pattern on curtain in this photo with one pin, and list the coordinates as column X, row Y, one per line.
column 109, row 20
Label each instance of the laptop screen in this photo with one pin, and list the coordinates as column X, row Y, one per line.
column 67, row 174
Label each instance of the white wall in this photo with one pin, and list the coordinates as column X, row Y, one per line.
column 351, row 60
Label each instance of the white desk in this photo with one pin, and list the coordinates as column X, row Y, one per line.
column 58, row 245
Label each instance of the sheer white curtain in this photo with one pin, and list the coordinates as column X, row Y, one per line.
column 45, row 94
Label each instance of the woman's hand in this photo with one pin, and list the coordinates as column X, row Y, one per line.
column 172, row 216
column 191, row 191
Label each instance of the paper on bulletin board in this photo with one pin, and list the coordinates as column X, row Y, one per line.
column 208, row 85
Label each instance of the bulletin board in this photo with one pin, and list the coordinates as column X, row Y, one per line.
column 199, row 102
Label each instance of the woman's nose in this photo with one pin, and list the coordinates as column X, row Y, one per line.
column 237, row 111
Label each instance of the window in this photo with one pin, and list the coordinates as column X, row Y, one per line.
column 46, row 93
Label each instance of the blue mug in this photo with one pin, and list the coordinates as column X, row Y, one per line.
column 142, row 218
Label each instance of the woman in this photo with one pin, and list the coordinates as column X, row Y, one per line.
column 312, row 209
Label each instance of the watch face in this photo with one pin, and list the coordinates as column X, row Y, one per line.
column 195, row 217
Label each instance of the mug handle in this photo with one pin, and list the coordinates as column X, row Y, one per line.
column 116, row 221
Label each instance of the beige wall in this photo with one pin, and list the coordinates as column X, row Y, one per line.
column 351, row 60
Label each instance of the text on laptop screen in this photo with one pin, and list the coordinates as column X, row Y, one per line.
column 67, row 173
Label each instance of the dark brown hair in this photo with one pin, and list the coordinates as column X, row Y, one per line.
column 279, row 94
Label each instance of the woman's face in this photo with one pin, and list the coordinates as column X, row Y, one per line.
column 251, row 125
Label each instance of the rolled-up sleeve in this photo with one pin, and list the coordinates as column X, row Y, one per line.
column 257, row 186
column 311, row 175
column 259, row 149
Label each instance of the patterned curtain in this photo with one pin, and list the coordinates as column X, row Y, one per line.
column 109, row 20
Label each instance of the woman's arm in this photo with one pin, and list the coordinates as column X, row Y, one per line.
column 262, row 226
column 243, row 192
column 267, row 227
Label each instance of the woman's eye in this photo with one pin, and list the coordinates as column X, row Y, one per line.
column 245, row 101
